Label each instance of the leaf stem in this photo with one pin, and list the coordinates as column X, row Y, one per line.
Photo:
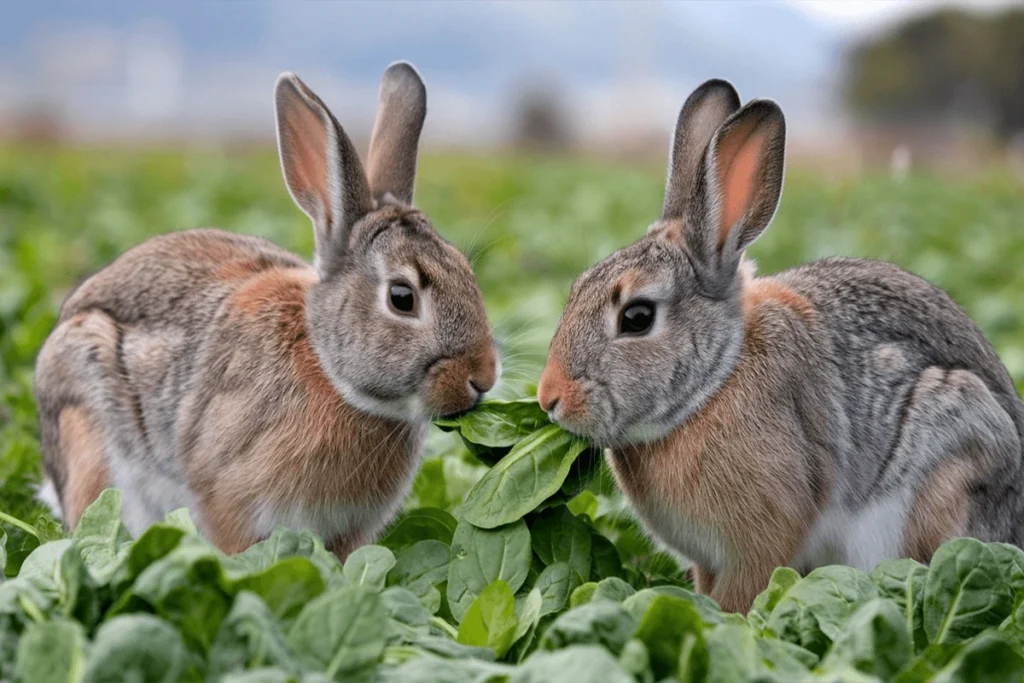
column 14, row 521
column 443, row 625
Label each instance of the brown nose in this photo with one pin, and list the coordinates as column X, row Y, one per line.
column 485, row 373
column 551, row 386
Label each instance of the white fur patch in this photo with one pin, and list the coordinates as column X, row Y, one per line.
column 861, row 538
column 149, row 495
column 47, row 495
column 331, row 520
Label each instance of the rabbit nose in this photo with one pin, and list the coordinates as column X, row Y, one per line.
column 486, row 374
column 549, row 389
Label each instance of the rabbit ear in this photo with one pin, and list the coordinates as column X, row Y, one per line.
column 401, row 110
column 704, row 111
column 321, row 168
column 738, row 187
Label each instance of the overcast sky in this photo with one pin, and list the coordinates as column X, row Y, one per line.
column 867, row 15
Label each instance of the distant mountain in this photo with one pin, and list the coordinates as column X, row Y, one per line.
column 211, row 65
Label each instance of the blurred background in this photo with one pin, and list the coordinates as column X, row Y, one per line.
column 854, row 77
column 544, row 148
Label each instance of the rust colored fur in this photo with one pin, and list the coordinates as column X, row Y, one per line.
column 736, row 466
column 81, row 440
column 940, row 510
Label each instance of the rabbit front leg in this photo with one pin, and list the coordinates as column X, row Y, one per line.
column 958, row 451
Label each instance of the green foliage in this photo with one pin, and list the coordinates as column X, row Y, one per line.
column 515, row 558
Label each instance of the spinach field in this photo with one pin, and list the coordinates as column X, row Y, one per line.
column 515, row 558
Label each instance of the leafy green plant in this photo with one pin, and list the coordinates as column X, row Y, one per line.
column 591, row 598
column 443, row 598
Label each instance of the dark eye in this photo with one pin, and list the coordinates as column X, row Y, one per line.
column 402, row 298
column 637, row 318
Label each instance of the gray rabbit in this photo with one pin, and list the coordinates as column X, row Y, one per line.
column 223, row 373
column 844, row 411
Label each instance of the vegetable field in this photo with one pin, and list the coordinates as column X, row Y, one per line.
column 515, row 558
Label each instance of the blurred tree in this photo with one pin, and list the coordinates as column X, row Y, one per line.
column 540, row 120
column 946, row 65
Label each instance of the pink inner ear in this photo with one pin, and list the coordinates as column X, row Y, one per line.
column 305, row 152
column 739, row 166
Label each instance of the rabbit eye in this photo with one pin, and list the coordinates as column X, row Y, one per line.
column 402, row 299
column 637, row 318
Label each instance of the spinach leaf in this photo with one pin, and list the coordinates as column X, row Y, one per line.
column 52, row 651
column 369, row 566
column 965, row 592
column 532, row 471
column 138, row 648
column 490, row 620
column 418, row 525
column 341, row 632
column 480, row 557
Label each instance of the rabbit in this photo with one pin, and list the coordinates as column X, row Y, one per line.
column 844, row 411
column 221, row 373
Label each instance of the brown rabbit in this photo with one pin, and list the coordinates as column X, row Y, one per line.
column 222, row 373
column 844, row 411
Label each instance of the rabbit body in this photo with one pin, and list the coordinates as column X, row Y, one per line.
column 843, row 411
column 866, row 419
column 219, row 372
column 187, row 364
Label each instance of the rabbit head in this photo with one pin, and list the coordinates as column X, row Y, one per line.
column 651, row 332
column 396, row 319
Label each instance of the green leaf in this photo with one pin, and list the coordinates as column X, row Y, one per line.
column 101, row 537
column 261, row 675
column 341, row 632
column 560, row 536
column 584, row 505
column 250, row 637
column 138, row 648
column 480, row 557
column 638, row 603
column 602, row 623
column 408, row 615
column 876, row 641
column 286, row 586
column 52, row 651
column 813, row 612
column 155, row 543
column 528, row 614
column 181, row 518
column 369, row 566
column 533, row 470
column 965, row 592
column 733, row 654
column 490, row 620
column 989, row 658
column 673, row 632
column 783, row 578
column 583, row 594
column 577, row 663
column 421, row 566
column 613, row 590
column 1010, row 559
column 605, row 561
column 497, row 424
column 187, row 587
column 79, row 595
column 281, row 544
column 902, row 581
column 419, row 525
column 555, row 583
